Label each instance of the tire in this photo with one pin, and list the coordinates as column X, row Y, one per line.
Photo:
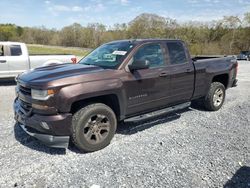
column 215, row 96
column 93, row 127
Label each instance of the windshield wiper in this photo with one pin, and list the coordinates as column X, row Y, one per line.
column 86, row 64
column 91, row 64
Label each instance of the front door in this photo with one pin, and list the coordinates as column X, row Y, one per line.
column 147, row 89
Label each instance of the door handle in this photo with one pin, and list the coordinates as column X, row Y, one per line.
column 163, row 74
column 2, row 61
column 188, row 70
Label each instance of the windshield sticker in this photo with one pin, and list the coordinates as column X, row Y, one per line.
column 109, row 57
column 116, row 52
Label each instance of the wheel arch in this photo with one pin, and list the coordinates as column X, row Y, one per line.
column 110, row 100
column 222, row 78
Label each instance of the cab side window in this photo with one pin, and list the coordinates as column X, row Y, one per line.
column 15, row 50
column 151, row 52
column 177, row 53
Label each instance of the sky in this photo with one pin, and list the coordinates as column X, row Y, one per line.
column 60, row 13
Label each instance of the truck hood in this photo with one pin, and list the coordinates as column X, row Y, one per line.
column 63, row 74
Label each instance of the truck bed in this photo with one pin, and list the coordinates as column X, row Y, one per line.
column 195, row 58
column 207, row 67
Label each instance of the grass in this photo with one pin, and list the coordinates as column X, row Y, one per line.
column 44, row 49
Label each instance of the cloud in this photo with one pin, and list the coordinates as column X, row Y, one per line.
column 116, row 2
column 99, row 7
column 60, row 8
column 77, row 9
column 63, row 8
column 244, row 2
column 124, row 2
column 201, row 2
column 47, row 2
column 193, row 1
column 57, row 8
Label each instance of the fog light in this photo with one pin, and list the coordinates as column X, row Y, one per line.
column 44, row 125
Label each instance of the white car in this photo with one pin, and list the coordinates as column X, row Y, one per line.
column 244, row 55
column 15, row 59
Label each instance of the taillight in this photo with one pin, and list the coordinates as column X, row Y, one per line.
column 74, row 60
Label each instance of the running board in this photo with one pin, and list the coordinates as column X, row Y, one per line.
column 159, row 112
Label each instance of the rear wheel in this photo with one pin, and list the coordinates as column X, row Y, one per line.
column 215, row 96
column 93, row 127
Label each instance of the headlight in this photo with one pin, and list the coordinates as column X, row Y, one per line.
column 42, row 94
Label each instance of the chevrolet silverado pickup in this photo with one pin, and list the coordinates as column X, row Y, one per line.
column 14, row 59
column 121, row 80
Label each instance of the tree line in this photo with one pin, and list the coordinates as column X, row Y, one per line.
column 229, row 35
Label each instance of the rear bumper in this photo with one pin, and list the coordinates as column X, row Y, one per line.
column 52, row 130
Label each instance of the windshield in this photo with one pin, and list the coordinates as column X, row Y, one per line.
column 245, row 52
column 108, row 56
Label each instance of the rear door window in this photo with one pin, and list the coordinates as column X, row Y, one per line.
column 151, row 52
column 15, row 50
column 177, row 54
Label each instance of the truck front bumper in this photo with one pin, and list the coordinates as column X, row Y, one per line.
column 49, row 140
column 52, row 130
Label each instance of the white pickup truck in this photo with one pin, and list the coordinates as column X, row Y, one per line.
column 15, row 59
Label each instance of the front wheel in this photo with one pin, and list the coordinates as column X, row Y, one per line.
column 93, row 127
column 215, row 96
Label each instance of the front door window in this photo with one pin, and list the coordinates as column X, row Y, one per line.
column 152, row 53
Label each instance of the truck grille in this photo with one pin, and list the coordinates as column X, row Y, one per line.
column 24, row 90
column 25, row 107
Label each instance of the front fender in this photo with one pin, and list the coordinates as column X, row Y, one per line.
column 72, row 93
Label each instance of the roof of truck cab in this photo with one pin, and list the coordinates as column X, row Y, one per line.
column 136, row 41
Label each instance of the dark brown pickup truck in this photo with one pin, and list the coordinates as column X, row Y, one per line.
column 120, row 80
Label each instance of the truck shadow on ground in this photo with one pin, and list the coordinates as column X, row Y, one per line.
column 34, row 144
column 129, row 128
column 240, row 179
column 198, row 105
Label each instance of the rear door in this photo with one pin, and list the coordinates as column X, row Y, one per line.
column 181, row 72
column 4, row 68
column 147, row 89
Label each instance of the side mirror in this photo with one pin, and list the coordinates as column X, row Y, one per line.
column 137, row 65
